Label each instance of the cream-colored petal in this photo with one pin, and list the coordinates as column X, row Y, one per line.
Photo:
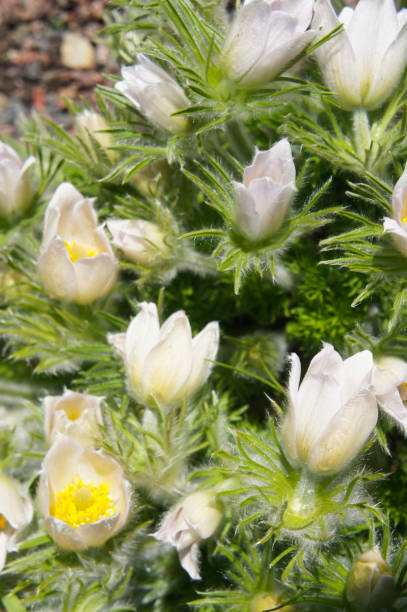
column 3, row 549
column 358, row 374
column 96, row 534
column 168, row 365
column 204, row 348
column 57, row 272
column 388, row 374
column 399, row 198
column 346, row 435
column 95, row 276
column 247, row 217
column 142, row 334
column 393, row 405
column 63, row 534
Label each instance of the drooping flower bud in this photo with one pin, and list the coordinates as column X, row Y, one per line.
column 370, row 584
column 140, row 240
column 16, row 512
column 166, row 364
column 363, row 63
column 332, row 413
column 268, row 187
column 15, row 183
column 265, row 37
column 76, row 260
column 195, row 518
column 76, row 415
column 155, row 94
column 83, row 496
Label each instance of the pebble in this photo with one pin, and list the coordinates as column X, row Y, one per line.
column 77, row 51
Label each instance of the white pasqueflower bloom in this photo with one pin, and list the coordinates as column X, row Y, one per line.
column 265, row 36
column 390, row 386
column 155, row 94
column 363, row 63
column 267, row 190
column 76, row 261
column 165, row 364
column 397, row 225
column 16, row 512
column 140, row 240
column 82, row 495
column 332, row 413
column 370, row 584
column 73, row 414
column 195, row 518
column 89, row 123
column 15, row 181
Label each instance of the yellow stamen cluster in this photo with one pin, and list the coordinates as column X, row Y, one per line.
column 404, row 221
column 80, row 504
column 78, row 251
column 3, row 521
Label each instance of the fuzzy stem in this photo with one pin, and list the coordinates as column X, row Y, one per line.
column 361, row 132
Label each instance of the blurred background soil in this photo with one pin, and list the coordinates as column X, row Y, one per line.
column 50, row 50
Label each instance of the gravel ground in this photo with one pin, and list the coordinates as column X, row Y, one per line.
column 33, row 72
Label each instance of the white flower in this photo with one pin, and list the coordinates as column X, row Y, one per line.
column 139, row 240
column 82, row 495
column 16, row 512
column 390, row 386
column 89, row 123
column 74, row 414
column 76, row 260
column 364, row 63
column 332, row 413
column 15, row 183
column 165, row 364
column 195, row 518
column 397, row 226
column 264, row 38
column 155, row 94
column 264, row 196
column 370, row 584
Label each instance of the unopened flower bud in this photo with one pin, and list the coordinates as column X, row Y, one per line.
column 264, row 38
column 267, row 601
column 94, row 124
column 195, row 518
column 76, row 415
column 370, row 584
column 15, row 183
column 155, row 94
column 140, row 240
column 166, row 364
column 268, row 187
column 332, row 413
column 363, row 63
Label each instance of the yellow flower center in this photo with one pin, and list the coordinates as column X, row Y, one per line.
column 404, row 221
column 403, row 391
column 78, row 251
column 3, row 521
column 80, row 504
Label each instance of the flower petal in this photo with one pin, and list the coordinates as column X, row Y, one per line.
column 168, row 365
column 95, row 276
column 57, row 271
column 204, row 348
column 141, row 336
column 393, row 405
column 347, row 433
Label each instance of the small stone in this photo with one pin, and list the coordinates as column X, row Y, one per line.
column 77, row 51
